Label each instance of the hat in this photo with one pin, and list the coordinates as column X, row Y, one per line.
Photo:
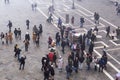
column 60, row 57
column 26, row 32
column 51, row 65
column 22, row 55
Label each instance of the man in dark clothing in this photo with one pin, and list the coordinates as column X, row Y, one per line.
column 88, row 61
column 9, row 25
column 101, row 64
column 46, row 73
column 68, row 71
column 26, row 42
column 81, row 59
column 57, row 39
column 27, row 23
column 27, row 36
column 76, row 64
column 91, row 48
column 40, row 30
column 96, row 18
column 81, row 22
column 108, row 31
column 63, row 43
column 62, row 31
column 15, row 50
column 19, row 33
column 16, row 33
column 52, row 72
column 18, row 53
column 55, row 59
column 43, row 63
column 22, row 62
column 59, row 22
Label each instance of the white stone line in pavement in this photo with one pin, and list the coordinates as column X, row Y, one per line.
column 58, row 28
column 98, row 47
column 109, row 63
column 113, row 42
column 102, row 25
column 104, row 71
column 93, row 14
column 113, row 49
column 109, row 54
column 43, row 14
column 83, row 12
column 102, row 43
column 102, row 31
column 86, row 19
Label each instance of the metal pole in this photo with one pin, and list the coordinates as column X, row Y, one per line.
column 53, row 4
column 73, row 5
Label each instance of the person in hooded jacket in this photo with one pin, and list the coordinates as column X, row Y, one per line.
column 22, row 62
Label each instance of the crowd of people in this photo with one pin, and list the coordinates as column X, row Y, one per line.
column 77, row 49
column 77, row 52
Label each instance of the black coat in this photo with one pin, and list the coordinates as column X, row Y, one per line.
column 27, row 37
column 52, row 72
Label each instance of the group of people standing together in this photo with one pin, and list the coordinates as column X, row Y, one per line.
column 77, row 52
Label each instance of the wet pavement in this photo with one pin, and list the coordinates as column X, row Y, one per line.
column 19, row 11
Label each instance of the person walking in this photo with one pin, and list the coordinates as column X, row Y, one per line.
column 9, row 25
column 52, row 72
column 68, row 71
column 96, row 18
column 27, row 36
column 108, row 31
column 82, row 21
column 18, row 51
column 27, row 23
column 63, row 44
column 40, row 29
column 10, row 37
column 19, row 34
column 57, row 39
column 60, row 64
column 2, row 36
column 16, row 33
column 72, row 20
column 91, row 47
column 95, row 60
column 81, row 60
column 26, row 42
column 15, row 50
column 46, row 73
column 76, row 64
column 22, row 62
column 6, row 38
column 59, row 22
